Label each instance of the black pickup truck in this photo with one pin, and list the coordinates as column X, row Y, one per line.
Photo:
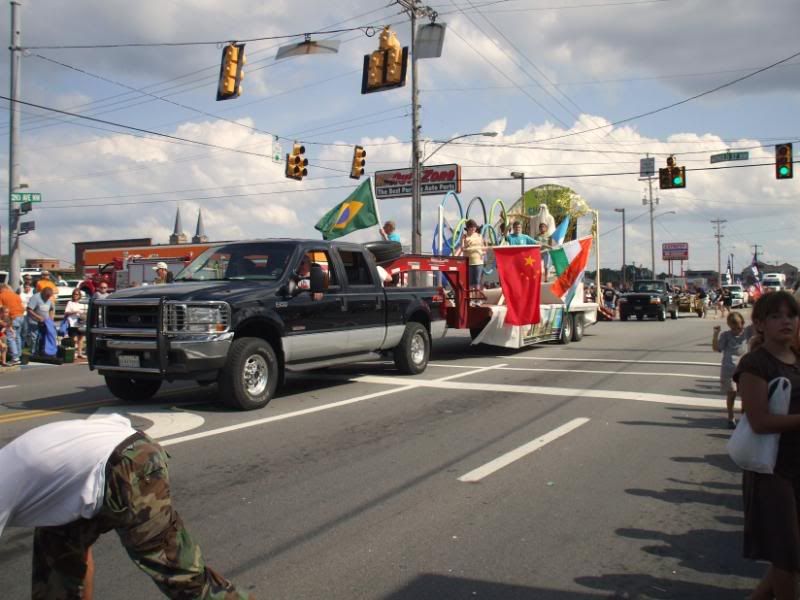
column 652, row 297
column 243, row 313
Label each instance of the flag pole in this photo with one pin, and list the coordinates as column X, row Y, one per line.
column 375, row 205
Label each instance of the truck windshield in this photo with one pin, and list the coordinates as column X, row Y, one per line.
column 648, row 286
column 251, row 261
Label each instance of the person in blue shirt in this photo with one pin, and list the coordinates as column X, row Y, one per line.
column 388, row 232
column 517, row 238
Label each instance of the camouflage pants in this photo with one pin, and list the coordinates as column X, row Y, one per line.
column 137, row 504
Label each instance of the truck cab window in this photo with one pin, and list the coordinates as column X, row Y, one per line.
column 356, row 268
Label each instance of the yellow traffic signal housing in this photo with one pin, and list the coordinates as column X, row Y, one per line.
column 385, row 68
column 296, row 163
column 784, row 167
column 231, row 72
column 357, row 170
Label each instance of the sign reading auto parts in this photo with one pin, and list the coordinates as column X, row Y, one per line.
column 435, row 180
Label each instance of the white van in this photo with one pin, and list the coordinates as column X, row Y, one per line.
column 773, row 282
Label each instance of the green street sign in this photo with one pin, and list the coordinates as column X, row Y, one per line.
column 726, row 156
column 26, row 197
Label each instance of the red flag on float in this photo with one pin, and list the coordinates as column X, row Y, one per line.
column 520, row 270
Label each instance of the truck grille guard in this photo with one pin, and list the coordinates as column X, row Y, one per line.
column 170, row 320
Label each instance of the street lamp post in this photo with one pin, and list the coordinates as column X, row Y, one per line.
column 416, row 196
column 521, row 177
column 622, row 210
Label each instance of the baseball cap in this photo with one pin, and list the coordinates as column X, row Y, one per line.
column 160, row 265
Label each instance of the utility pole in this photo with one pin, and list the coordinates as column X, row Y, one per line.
column 416, row 196
column 646, row 201
column 719, row 235
column 755, row 252
column 622, row 210
column 13, row 135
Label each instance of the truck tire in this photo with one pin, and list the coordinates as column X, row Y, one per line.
column 577, row 327
column 673, row 315
column 566, row 329
column 250, row 376
column 384, row 250
column 412, row 353
column 131, row 389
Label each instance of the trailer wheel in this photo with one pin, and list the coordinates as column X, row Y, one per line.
column 131, row 389
column 250, row 376
column 566, row 329
column 412, row 353
column 384, row 250
column 577, row 328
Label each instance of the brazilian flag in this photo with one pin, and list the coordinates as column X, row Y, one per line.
column 357, row 211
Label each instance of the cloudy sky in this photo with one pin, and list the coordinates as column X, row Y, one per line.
column 559, row 80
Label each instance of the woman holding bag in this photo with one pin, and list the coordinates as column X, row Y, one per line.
column 772, row 501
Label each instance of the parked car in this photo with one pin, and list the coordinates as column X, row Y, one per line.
column 244, row 312
column 649, row 298
column 739, row 296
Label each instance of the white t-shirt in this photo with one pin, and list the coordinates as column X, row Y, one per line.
column 55, row 474
column 76, row 311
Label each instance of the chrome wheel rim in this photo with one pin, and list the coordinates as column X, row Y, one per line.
column 255, row 375
column 417, row 349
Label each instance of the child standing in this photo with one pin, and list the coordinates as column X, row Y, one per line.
column 473, row 248
column 733, row 345
column 771, row 521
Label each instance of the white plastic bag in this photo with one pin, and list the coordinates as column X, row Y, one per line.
column 758, row 451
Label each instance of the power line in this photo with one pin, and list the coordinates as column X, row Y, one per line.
column 368, row 30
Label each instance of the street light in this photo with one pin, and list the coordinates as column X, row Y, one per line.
column 622, row 210
column 521, row 177
column 416, row 196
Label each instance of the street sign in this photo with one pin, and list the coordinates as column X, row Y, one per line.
column 27, row 226
column 675, row 251
column 647, row 167
column 433, row 181
column 26, row 197
column 726, row 156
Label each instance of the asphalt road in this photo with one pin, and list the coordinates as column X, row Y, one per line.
column 592, row 470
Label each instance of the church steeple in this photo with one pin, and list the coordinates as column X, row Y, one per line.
column 178, row 236
column 200, row 236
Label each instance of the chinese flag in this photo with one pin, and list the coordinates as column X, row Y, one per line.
column 520, row 270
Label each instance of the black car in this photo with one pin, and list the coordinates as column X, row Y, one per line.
column 649, row 298
column 242, row 313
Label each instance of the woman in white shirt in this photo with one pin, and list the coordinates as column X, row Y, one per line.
column 26, row 293
column 75, row 314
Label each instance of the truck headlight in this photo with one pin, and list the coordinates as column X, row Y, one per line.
column 655, row 300
column 206, row 319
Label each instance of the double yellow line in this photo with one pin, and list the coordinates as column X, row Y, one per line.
column 45, row 412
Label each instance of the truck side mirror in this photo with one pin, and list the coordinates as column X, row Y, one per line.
column 317, row 277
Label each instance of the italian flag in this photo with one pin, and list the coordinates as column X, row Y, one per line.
column 570, row 262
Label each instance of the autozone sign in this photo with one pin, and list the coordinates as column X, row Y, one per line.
column 434, row 180
column 675, row 251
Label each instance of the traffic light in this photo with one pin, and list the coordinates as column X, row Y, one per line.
column 672, row 176
column 231, row 72
column 385, row 68
column 357, row 170
column 296, row 163
column 784, row 168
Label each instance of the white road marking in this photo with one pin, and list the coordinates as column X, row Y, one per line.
column 509, row 457
column 166, row 421
column 613, row 360
column 474, row 372
column 505, row 368
column 542, row 390
column 404, row 383
column 7, row 387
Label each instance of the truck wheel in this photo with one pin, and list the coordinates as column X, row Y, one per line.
column 673, row 315
column 662, row 316
column 412, row 353
column 131, row 389
column 566, row 329
column 577, row 329
column 250, row 376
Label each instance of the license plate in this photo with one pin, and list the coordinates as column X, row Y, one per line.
column 130, row 361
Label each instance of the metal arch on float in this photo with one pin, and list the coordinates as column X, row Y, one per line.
column 459, row 226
